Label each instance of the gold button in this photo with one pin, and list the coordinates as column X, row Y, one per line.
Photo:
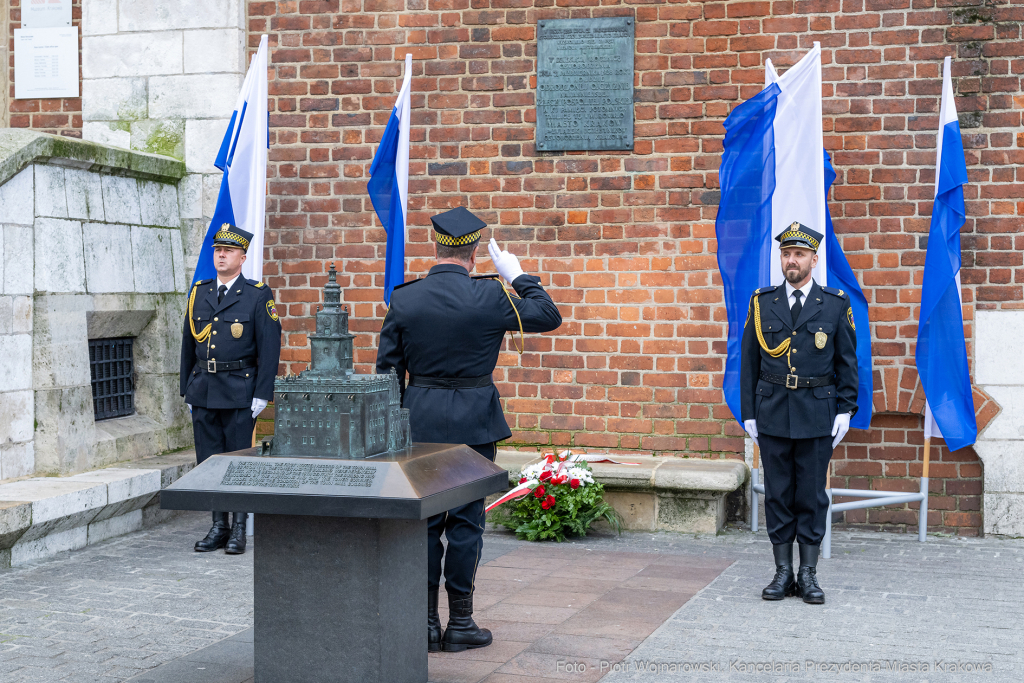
column 236, row 320
column 216, row 319
column 794, row 350
column 794, row 333
column 213, row 346
column 247, row 374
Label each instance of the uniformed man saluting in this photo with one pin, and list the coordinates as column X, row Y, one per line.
column 446, row 331
column 798, row 392
column 230, row 347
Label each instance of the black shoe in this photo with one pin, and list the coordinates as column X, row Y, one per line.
column 784, row 583
column 236, row 544
column 462, row 632
column 807, row 578
column 434, row 632
column 218, row 535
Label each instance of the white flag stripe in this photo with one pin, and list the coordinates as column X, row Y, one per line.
column 247, row 171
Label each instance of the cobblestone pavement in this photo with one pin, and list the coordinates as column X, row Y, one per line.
column 116, row 609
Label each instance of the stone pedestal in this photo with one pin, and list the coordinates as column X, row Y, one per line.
column 340, row 599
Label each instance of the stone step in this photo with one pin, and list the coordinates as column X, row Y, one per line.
column 42, row 516
column 658, row 494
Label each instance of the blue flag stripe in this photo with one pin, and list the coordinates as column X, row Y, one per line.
column 386, row 200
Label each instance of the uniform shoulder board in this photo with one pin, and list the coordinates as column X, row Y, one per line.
column 398, row 287
column 765, row 290
column 834, row 292
column 201, row 282
column 256, row 283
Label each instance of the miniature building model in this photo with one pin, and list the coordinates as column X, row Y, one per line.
column 329, row 411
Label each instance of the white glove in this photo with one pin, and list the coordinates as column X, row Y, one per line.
column 750, row 426
column 189, row 408
column 258, row 404
column 840, row 427
column 506, row 264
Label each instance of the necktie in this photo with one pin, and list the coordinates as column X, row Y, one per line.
column 797, row 307
column 224, row 288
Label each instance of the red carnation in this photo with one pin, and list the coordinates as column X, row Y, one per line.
column 545, row 505
column 539, row 492
column 550, row 500
column 545, row 475
column 523, row 480
column 575, row 483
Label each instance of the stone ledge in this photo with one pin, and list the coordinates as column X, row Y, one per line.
column 42, row 516
column 661, row 494
column 20, row 147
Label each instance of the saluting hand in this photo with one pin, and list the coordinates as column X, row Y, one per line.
column 506, row 264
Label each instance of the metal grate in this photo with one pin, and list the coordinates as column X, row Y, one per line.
column 111, row 362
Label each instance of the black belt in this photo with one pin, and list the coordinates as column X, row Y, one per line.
column 795, row 381
column 450, row 382
column 214, row 366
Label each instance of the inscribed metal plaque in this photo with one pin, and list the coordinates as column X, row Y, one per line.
column 585, row 84
column 302, row 475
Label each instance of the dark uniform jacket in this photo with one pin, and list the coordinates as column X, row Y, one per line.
column 805, row 412
column 245, row 327
column 451, row 325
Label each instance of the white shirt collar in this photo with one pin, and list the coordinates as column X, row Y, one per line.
column 229, row 284
column 805, row 291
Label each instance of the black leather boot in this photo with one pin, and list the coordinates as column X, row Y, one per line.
column 218, row 535
column 783, row 584
column 236, row 544
column 462, row 632
column 433, row 622
column 806, row 578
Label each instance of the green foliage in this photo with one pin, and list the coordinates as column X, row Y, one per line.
column 573, row 512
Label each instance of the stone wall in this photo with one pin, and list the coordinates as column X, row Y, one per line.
column 91, row 248
column 625, row 242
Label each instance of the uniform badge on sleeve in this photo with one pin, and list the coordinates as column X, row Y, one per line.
column 849, row 316
column 271, row 311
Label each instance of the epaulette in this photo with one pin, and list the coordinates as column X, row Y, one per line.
column 834, row 292
column 256, row 283
column 764, row 290
column 492, row 276
column 406, row 284
column 201, row 282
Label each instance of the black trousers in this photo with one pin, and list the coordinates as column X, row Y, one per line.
column 221, row 430
column 795, row 478
column 464, row 528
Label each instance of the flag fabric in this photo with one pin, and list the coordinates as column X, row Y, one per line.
column 389, row 184
column 941, row 353
column 775, row 171
column 243, row 159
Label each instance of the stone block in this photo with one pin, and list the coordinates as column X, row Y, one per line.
column 114, row 99
column 700, row 475
column 1009, row 423
column 16, row 352
column 16, row 199
column 49, row 545
column 639, row 511
column 50, row 198
column 22, row 315
column 1004, row 514
column 61, row 318
column 121, row 199
column 214, row 50
column 104, row 133
column 180, row 266
column 84, row 192
column 193, row 96
column 151, row 254
column 190, row 191
column 6, row 315
column 108, row 258
column 156, row 15
column 123, row 484
column 106, row 324
column 159, row 136
column 64, row 438
column 15, row 519
column 999, row 335
column 691, row 513
column 211, row 190
column 99, row 17
column 17, row 459
column 128, row 438
column 103, row 529
column 18, row 411
column 59, row 257
column 132, row 54
column 72, row 503
column 19, row 260
column 159, row 204
column 193, row 232
column 203, row 138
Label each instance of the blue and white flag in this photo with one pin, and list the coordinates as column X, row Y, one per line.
column 941, row 349
column 243, row 159
column 775, row 171
column 389, row 184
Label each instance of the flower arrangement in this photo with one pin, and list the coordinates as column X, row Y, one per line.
column 555, row 498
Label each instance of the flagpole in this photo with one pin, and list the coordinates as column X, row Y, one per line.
column 922, row 515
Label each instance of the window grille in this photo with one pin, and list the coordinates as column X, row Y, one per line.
column 112, row 364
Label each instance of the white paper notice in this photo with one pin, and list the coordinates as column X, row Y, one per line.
column 44, row 13
column 45, row 62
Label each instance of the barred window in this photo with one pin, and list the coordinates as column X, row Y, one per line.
column 112, row 365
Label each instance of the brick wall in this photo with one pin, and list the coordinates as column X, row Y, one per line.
column 625, row 241
column 60, row 116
